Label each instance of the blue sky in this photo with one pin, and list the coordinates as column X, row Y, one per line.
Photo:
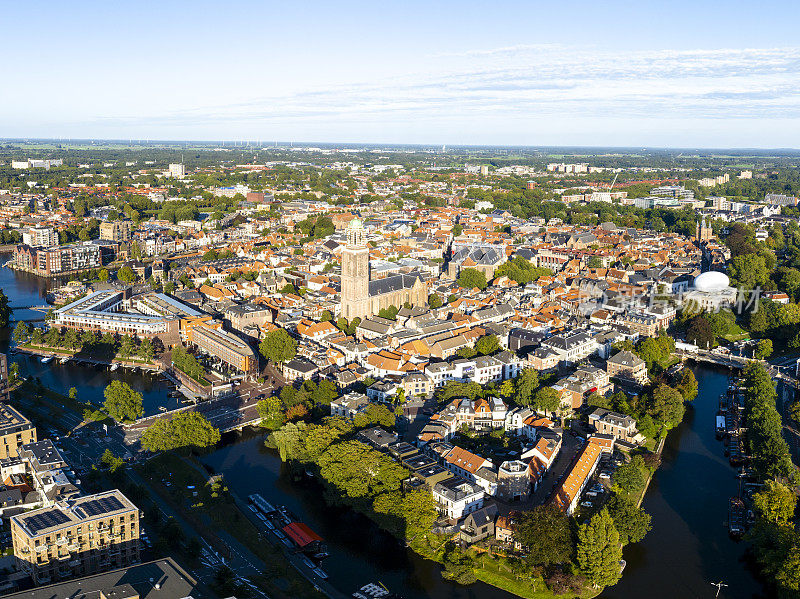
column 689, row 74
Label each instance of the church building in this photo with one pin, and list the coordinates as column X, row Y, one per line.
column 363, row 298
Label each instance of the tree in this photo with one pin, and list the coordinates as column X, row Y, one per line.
column 270, row 410
column 763, row 349
column 775, row 503
column 457, row 230
column 37, row 336
column 103, row 275
column 325, row 393
column 290, row 441
column 5, row 310
column 184, row 430
column 547, row 399
column 122, row 403
column 545, row 533
column 73, row 393
column 111, row 461
column 488, row 344
column 22, row 332
column 525, row 385
column 374, row 415
column 469, row 278
column 466, row 352
column 146, row 350
column 434, row 301
column 688, row 385
column 599, row 550
column 186, row 362
column 594, row 262
column 169, row 287
column 278, row 346
column 507, row 389
column 632, row 522
column 126, row 275
column 666, row 405
column 631, row 478
column 748, row 271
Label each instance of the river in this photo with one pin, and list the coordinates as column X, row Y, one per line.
column 687, row 549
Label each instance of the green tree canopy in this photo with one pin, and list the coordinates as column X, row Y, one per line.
column 775, row 503
column 126, row 275
column 122, row 403
column 278, row 346
column 469, row 278
column 488, row 344
column 545, row 533
column 184, row 430
column 599, row 550
column 632, row 522
column 547, row 399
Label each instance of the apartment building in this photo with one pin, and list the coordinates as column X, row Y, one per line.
column 619, row 426
column 224, row 345
column 575, row 388
column 119, row 230
column 77, row 537
column 349, row 405
column 15, row 431
column 456, row 497
column 572, row 347
column 567, row 495
column 177, row 171
column 102, row 311
column 627, row 366
column 40, row 237
column 49, row 261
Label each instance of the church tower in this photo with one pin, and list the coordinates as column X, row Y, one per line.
column 704, row 232
column 355, row 273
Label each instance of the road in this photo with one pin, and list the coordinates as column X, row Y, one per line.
column 292, row 555
column 241, row 561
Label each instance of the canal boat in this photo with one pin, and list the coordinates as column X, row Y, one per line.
column 735, row 450
column 261, row 504
column 47, row 359
column 736, row 517
column 374, row 591
column 114, row 367
column 720, row 428
column 723, row 403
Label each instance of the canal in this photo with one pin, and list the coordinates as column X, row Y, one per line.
column 24, row 291
column 687, row 549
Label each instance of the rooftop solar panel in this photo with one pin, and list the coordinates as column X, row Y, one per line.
column 104, row 505
column 45, row 520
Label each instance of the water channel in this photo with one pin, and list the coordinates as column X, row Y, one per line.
column 687, row 549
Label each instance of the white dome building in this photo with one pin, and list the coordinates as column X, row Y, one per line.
column 712, row 280
column 711, row 292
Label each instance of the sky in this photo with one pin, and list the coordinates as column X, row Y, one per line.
column 701, row 73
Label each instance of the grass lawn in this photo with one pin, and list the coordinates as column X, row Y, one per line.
column 733, row 337
column 495, row 573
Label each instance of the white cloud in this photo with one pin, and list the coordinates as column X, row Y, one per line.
column 531, row 85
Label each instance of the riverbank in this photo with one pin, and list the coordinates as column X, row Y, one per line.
column 77, row 355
